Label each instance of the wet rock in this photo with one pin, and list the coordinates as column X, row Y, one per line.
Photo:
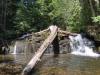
column 10, row 69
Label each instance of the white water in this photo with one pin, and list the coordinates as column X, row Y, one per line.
column 15, row 48
column 22, row 46
column 82, row 46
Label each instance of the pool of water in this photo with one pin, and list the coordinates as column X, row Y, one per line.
column 69, row 65
column 64, row 64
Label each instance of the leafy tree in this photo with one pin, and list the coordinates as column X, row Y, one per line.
column 37, row 16
column 71, row 11
column 24, row 16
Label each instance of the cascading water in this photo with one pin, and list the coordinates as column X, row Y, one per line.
column 19, row 47
column 82, row 46
column 15, row 48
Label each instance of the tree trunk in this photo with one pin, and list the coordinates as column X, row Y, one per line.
column 41, row 50
column 56, row 46
column 92, row 9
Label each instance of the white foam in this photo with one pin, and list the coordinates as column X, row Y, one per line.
column 79, row 46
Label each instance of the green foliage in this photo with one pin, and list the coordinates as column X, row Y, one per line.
column 37, row 16
column 42, row 13
column 71, row 10
column 96, row 19
column 73, row 15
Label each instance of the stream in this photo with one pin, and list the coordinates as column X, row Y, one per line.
column 82, row 60
column 64, row 64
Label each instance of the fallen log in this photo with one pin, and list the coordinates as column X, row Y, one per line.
column 41, row 50
column 41, row 32
column 66, row 33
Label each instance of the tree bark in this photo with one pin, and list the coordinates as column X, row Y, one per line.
column 41, row 50
column 56, row 46
column 92, row 9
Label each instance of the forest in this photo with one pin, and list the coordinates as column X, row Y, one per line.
column 49, row 37
column 18, row 17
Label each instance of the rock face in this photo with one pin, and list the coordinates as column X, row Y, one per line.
column 31, row 44
column 63, row 44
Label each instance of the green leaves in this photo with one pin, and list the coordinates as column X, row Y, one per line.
column 71, row 11
column 96, row 19
column 37, row 16
column 41, row 14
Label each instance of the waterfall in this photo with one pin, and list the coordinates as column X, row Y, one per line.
column 19, row 47
column 82, row 46
column 15, row 48
column 22, row 46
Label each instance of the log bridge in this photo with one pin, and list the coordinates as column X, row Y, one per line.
column 52, row 38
